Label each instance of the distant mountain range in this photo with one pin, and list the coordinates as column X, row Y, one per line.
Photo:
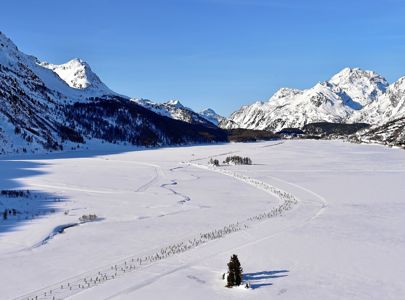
column 351, row 96
column 44, row 106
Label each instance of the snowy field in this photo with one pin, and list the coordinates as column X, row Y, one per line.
column 308, row 220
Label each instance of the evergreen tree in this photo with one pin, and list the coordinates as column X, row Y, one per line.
column 234, row 272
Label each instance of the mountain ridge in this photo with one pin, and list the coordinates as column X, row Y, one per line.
column 352, row 95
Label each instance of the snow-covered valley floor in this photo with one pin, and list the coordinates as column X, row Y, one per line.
column 308, row 220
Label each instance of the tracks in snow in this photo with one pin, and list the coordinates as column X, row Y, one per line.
column 74, row 285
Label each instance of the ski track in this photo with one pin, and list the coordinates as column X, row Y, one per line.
column 72, row 188
column 158, row 174
column 90, row 279
column 272, row 145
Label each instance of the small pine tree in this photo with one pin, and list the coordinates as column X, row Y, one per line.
column 234, row 272
column 214, row 162
column 5, row 214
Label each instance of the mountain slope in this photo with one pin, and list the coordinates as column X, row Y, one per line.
column 361, row 86
column 45, row 106
column 175, row 110
column 391, row 133
column 389, row 106
column 293, row 108
column 78, row 74
column 211, row 116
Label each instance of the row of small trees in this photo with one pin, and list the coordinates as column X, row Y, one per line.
column 88, row 218
column 15, row 193
column 238, row 160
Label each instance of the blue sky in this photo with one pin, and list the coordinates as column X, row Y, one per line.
column 212, row 53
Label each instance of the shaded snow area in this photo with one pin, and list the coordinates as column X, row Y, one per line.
column 308, row 220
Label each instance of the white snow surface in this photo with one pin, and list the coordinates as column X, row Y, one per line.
column 308, row 220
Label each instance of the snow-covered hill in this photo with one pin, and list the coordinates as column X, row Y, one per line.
column 352, row 95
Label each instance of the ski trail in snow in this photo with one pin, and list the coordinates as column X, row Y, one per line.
column 148, row 184
column 217, row 155
column 158, row 174
column 321, row 199
column 146, row 282
column 272, row 145
column 157, row 170
column 72, row 188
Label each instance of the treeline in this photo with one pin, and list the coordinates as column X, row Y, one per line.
column 119, row 120
column 250, row 135
column 15, row 193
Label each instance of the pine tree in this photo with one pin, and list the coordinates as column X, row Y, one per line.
column 234, row 272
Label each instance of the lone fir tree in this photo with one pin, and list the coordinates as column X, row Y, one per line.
column 234, row 272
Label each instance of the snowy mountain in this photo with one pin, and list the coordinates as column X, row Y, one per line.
column 358, row 86
column 210, row 115
column 294, row 108
column 352, row 95
column 78, row 74
column 389, row 106
column 175, row 110
column 46, row 106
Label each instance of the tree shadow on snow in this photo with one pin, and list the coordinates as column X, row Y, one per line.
column 263, row 278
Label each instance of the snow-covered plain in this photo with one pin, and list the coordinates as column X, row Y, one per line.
column 341, row 234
